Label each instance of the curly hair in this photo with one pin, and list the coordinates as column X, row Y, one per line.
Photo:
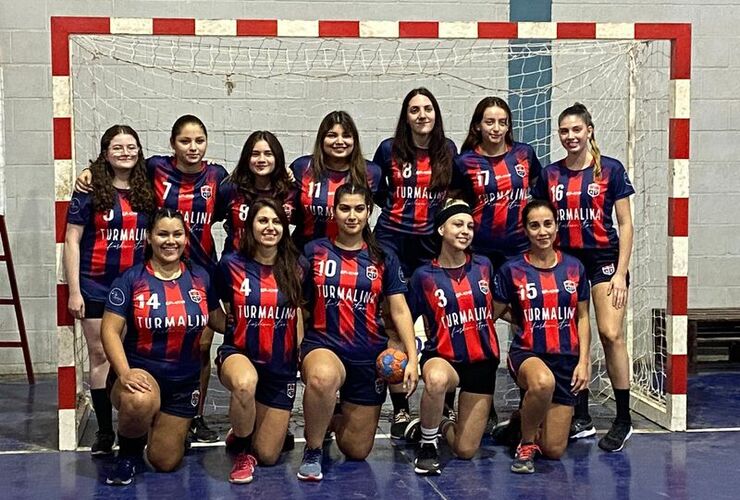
column 141, row 193
column 245, row 179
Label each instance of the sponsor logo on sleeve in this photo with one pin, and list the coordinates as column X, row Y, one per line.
column 117, row 297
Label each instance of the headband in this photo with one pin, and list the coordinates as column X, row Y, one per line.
column 452, row 210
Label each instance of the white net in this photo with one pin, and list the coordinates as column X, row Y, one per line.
column 287, row 85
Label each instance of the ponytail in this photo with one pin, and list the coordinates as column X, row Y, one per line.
column 580, row 111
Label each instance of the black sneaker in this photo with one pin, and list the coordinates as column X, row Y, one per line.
column 103, row 444
column 400, row 421
column 617, row 436
column 412, row 432
column 524, row 458
column 509, row 432
column 581, row 428
column 427, row 460
column 124, row 471
column 201, row 433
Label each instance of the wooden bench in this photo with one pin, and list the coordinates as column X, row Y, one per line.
column 716, row 327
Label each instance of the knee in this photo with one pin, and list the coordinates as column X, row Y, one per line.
column 97, row 355
column 244, row 389
column 553, row 451
column 323, row 380
column 465, row 452
column 355, row 451
column 542, row 383
column 435, row 382
column 266, row 457
column 611, row 336
column 165, row 462
column 137, row 404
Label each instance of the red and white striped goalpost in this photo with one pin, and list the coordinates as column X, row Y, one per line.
column 672, row 416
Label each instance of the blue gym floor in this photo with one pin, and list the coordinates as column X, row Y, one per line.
column 654, row 464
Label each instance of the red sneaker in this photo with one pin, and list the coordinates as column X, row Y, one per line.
column 243, row 470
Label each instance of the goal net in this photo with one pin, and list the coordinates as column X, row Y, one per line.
column 286, row 85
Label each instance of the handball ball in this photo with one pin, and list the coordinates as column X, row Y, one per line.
column 391, row 364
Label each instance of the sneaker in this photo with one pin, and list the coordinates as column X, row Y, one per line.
column 524, row 459
column 427, row 460
column 412, row 432
column 310, row 469
column 103, row 444
column 492, row 421
column 200, row 431
column 450, row 413
column 400, row 422
column 618, row 434
column 124, row 471
column 243, row 470
column 442, row 429
column 581, row 428
column 509, row 432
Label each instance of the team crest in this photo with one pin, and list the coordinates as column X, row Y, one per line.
column 195, row 398
column 520, row 170
column 195, row 296
column 483, row 285
column 290, row 390
column 401, row 276
column 570, row 286
column 371, row 272
column 594, row 190
column 608, row 270
column 206, row 192
column 379, row 385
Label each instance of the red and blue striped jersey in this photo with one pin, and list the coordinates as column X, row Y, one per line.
column 314, row 205
column 499, row 187
column 164, row 319
column 345, row 292
column 264, row 322
column 410, row 205
column 112, row 241
column 236, row 204
column 195, row 196
column 544, row 302
column 457, row 307
column 585, row 204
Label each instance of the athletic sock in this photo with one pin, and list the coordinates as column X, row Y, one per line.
column 132, row 447
column 622, row 398
column 522, row 393
column 103, row 410
column 399, row 402
column 242, row 443
column 429, row 436
column 581, row 410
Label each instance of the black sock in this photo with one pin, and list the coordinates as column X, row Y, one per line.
column 132, row 447
column 449, row 401
column 103, row 410
column 522, row 393
column 622, row 398
column 242, row 443
column 581, row 410
column 399, row 402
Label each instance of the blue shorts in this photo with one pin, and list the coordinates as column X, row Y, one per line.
column 600, row 264
column 275, row 391
column 561, row 366
column 362, row 386
column 179, row 398
column 93, row 309
column 412, row 250
column 475, row 378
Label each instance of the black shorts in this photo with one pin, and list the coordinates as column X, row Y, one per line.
column 362, row 386
column 475, row 378
column 93, row 309
column 561, row 366
column 275, row 391
column 179, row 398
column 600, row 264
column 412, row 250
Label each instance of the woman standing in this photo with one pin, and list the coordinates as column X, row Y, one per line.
column 105, row 236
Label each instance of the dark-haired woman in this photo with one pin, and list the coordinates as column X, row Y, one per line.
column 105, row 236
column 586, row 188
column 163, row 305
column 260, row 173
column 261, row 286
column 416, row 164
column 336, row 159
column 187, row 183
column 349, row 278
column 547, row 291
column 453, row 296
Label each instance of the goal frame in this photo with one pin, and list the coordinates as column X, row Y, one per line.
column 672, row 417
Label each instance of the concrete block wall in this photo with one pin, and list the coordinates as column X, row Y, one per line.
column 25, row 54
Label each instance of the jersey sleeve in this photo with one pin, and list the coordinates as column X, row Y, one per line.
column 222, row 175
column 80, row 209
column 539, row 186
column 394, row 281
column 452, row 147
column 377, row 182
column 584, row 288
column 307, row 282
column 621, row 182
column 209, row 285
column 415, row 295
column 502, row 290
column 120, row 298
column 460, row 181
column 221, row 280
column 535, row 167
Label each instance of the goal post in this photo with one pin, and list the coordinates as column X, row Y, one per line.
column 285, row 75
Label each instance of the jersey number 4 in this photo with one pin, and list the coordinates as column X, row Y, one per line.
column 152, row 301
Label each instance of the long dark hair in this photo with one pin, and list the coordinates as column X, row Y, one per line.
column 580, row 111
column 245, row 179
column 286, row 268
column 158, row 215
column 357, row 167
column 140, row 191
column 474, row 138
column 440, row 155
column 376, row 253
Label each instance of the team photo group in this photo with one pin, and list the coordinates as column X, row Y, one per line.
column 306, row 291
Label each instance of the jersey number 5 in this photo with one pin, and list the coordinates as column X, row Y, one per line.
column 529, row 291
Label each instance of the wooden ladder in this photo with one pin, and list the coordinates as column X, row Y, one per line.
column 14, row 301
